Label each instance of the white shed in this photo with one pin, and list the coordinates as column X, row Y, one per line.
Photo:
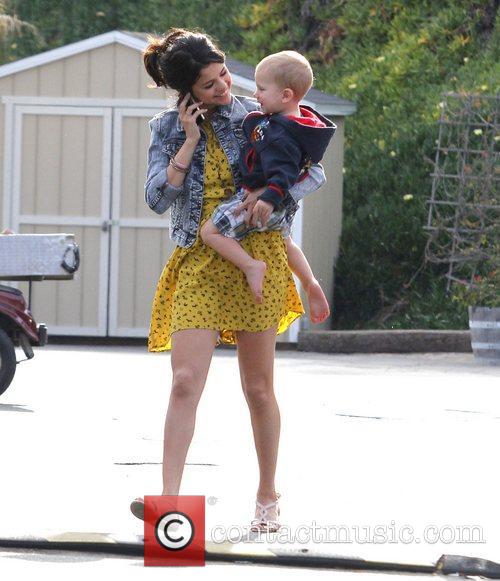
column 73, row 147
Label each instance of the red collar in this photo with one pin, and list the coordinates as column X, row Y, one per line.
column 306, row 118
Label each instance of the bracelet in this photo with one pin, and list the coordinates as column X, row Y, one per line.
column 179, row 166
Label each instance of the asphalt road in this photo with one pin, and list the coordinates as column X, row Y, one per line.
column 395, row 454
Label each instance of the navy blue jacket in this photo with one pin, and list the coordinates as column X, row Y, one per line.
column 278, row 148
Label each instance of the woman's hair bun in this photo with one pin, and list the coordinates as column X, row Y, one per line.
column 176, row 59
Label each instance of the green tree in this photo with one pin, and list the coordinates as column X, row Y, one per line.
column 17, row 37
column 66, row 21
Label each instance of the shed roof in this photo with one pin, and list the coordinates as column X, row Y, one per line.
column 243, row 74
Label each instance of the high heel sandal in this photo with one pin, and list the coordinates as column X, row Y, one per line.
column 262, row 523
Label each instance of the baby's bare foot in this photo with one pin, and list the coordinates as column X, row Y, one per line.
column 318, row 305
column 255, row 277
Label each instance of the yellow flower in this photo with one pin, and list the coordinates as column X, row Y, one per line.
column 352, row 86
column 484, row 87
column 381, row 144
column 392, row 153
column 478, row 131
column 380, row 59
column 408, row 197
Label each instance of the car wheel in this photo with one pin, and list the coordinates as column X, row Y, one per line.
column 7, row 361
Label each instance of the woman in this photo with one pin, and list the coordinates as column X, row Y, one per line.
column 201, row 298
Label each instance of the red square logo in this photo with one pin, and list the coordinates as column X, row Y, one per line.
column 174, row 531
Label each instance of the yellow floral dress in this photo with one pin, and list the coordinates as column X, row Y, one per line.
column 198, row 289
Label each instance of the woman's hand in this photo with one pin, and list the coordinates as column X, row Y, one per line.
column 251, row 197
column 188, row 116
column 261, row 213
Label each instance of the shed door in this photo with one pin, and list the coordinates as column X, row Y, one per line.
column 140, row 243
column 82, row 170
column 61, row 183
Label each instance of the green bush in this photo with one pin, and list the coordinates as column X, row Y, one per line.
column 394, row 59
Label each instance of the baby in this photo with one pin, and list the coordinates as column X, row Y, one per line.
column 283, row 139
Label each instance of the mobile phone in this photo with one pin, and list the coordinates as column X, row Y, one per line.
column 200, row 118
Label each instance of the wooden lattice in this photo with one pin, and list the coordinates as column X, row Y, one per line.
column 464, row 207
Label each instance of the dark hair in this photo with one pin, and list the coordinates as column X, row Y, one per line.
column 176, row 59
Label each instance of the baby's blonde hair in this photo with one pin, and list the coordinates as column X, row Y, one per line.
column 289, row 70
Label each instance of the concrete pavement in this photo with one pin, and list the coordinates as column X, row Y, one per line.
column 399, row 442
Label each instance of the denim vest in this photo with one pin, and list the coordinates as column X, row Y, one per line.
column 186, row 201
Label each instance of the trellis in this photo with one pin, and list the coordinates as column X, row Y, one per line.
column 464, row 207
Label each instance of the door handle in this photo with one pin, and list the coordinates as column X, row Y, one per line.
column 106, row 225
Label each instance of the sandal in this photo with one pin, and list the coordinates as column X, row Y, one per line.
column 262, row 523
column 137, row 508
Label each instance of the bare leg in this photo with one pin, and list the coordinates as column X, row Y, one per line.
column 318, row 304
column 256, row 362
column 192, row 351
column 231, row 250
